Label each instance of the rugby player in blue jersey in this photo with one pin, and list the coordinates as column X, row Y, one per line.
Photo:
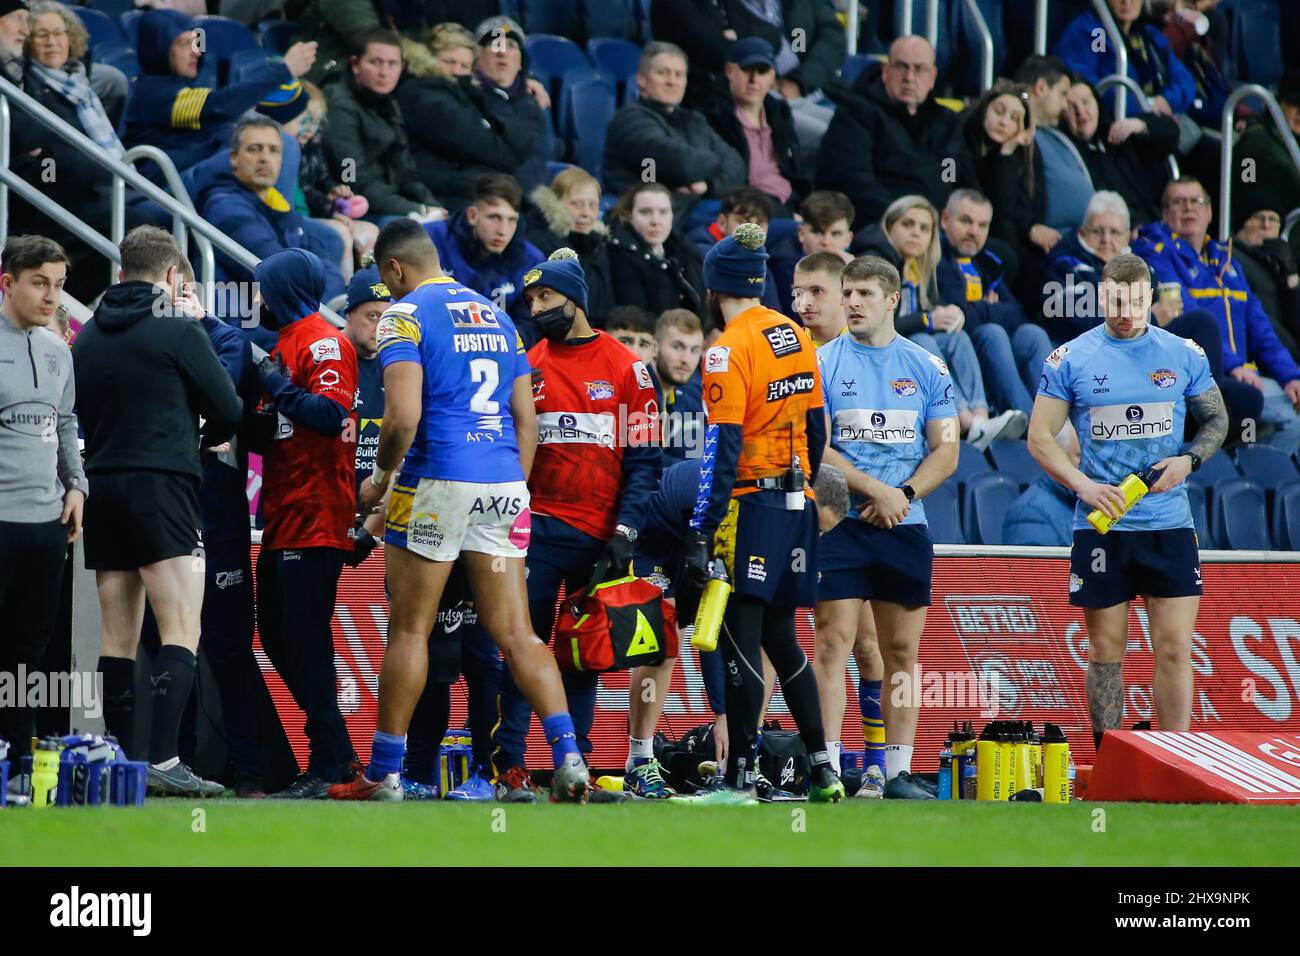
column 460, row 424
column 1126, row 385
column 894, row 435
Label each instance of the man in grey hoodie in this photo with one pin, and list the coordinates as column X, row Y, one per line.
column 42, row 485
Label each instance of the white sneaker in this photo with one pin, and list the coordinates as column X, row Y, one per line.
column 873, row 784
column 1009, row 425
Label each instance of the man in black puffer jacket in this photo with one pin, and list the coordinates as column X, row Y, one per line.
column 890, row 138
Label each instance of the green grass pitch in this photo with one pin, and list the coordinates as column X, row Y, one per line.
column 247, row 833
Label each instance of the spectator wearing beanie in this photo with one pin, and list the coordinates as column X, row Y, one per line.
column 1269, row 264
column 1261, row 144
column 192, row 122
column 567, row 214
column 478, row 130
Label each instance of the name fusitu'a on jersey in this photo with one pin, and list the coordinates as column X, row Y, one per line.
column 471, row 356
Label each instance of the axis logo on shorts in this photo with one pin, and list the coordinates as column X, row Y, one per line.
column 503, row 506
column 1127, row 422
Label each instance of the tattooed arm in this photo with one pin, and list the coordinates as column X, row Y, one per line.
column 1210, row 411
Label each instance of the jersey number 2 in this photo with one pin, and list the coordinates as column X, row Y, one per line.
column 485, row 371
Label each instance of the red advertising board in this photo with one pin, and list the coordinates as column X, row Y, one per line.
column 1000, row 636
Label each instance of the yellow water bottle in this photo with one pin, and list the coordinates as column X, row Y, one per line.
column 1056, row 765
column 708, row 619
column 989, row 767
column 45, row 772
column 1134, row 489
column 1025, row 777
column 1035, row 755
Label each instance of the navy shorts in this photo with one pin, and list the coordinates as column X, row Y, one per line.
column 859, row 560
column 656, row 570
column 771, row 553
column 1109, row 569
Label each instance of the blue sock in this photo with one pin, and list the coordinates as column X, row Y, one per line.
column 873, row 724
column 560, row 734
column 385, row 755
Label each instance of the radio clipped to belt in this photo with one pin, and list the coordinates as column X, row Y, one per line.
column 793, row 484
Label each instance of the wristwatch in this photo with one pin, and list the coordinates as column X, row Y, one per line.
column 627, row 532
column 1196, row 459
column 908, row 492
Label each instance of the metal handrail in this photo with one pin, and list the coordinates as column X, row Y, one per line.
column 1040, row 27
column 1144, row 104
column 986, row 44
column 905, row 19
column 932, row 22
column 1291, row 219
column 11, row 93
column 67, row 220
column 851, row 27
column 207, row 260
column 1226, row 167
column 1121, row 53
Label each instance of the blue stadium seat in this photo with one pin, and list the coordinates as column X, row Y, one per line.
column 970, row 462
column 1196, row 500
column 1238, row 519
column 222, row 37
column 1266, row 466
column 610, row 18
column 550, row 57
column 114, row 8
column 1255, row 40
column 588, row 107
column 561, row 17
column 1286, row 516
column 618, row 58
column 1218, row 467
column 1012, row 458
column 943, row 515
column 130, row 22
column 245, row 61
column 853, row 66
column 277, row 35
column 984, row 507
column 121, row 55
column 101, row 27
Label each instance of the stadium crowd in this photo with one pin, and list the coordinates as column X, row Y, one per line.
column 411, row 133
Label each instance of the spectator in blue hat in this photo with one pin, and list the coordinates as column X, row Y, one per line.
column 368, row 297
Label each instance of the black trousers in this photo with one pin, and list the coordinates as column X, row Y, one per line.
column 33, row 559
column 227, row 645
column 295, row 604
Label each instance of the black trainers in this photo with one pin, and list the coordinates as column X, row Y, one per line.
column 906, row 787
column 248, row 786
column 768, row 792
column 180, row 781
column 306, row 787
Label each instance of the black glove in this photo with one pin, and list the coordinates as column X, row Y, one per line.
column 618, row 552
column 363, row 542
column 1279, row 255
column 693, row 574
column 272, row 373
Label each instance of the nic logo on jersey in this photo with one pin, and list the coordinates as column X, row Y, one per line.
column 472, row 315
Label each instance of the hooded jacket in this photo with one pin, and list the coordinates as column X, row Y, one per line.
column 1213, row 281
column 497, row 276
column 477, row 131
column 366, row 132
column 144, row 376
column 223, row 496
column 262, row 226
column 184, row 118
column 874, row 151
column 674, row 282
column 683, row 145
column 551, row 226
column 308, row 484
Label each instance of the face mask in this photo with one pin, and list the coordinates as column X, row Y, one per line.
column 555, row 323
column 268, row 320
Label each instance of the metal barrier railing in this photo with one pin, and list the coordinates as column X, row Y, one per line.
column 9, row 93
column 1121, row 53
column 1144, row 104
column 1291, row 219
column 1226, row 161
column 1040, row 27
column 986, row 44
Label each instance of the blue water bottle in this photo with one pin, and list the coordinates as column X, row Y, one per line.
column 945, row 771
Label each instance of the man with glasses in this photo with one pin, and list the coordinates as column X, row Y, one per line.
column 890, row 138
column 1206, row 273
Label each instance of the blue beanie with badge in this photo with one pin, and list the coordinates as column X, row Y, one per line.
column 737, row 265
column 563, row 273
column 366, row 286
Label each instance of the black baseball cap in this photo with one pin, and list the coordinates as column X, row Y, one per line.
column 751, row 52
